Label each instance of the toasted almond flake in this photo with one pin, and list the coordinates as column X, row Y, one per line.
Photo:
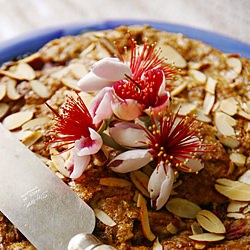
column 244, row 114
column 145, row 220
column 198, row 75
column 11, row 90
column 35, row 123
column 229, row 141
column 3, row 90
column 78, row 70
column 224, row 123
column 236, row 215
column 196, row 228
column 114, row 182
column 247, row 126
column 210, row 237
column 104, row 218
column 216, row 106
column 229, row 106
column 236, row 206
column 245, row 178
column 21, row 135
column 70, row 83
column 201, row 116
column 4, row 107
column 101, row 51
column 59, row 162
column 194, row 65
column 21, row 71
column 200, row 245
column 208, row 103
column 210, row 222
column 234, row 190
column 246, row 210
column 172, row 228
column 157, row 245
column 140, row 180
column 16, row 120
column 179, row 89
column 186, row 108
column 40, row 89
column 211, row 85
column 31, row 57
column 246, row 107
column 173, row 56
column 32, row 138
column 62, row 72
column 86, row 97
column 183, row 208
column 238, row 159
column 235, row 64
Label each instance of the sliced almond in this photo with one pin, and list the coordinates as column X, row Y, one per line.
column 229, row 106
column 173, row 56
column 31, row 57
column 238, row 159
column 4, row 107
column 11, row 90
column 236, row 206
column 234, row 190
column 245, row 178
column 237, row 216
column 157, row 245
column 70, row 83
column 211, row 85
column 224, row 123
column 196, row 228
column 246, row 209
column 235, row 64
column 140, row 180
column 104, row 217
column 210, row 222
column 32, row 138
column 21, row 71
column 40, row 89
column 35, row 123
column 21, row 135
column 3, row 90
column 183, row 208
column 16, row 120
column 59, row 162
column 114, row 182
column 186, row 108
column 198, row 75
column 210, row 237
column 172, row 228
column 145, row 220
column 179, row 89
column 229, row 141
column 201, row 116
column 208, row 103
column 244, row 114
column 246, row 107
column 78, row 70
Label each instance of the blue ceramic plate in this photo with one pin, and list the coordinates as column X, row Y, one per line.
column 31, row 42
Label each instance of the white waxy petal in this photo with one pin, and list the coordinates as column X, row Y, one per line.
column 160, row 185
column 128, row 134
column 91, row 82
column 80, row 164
column 111, row 69
column 130, row 160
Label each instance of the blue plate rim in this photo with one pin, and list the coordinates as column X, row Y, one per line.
column 32, row 41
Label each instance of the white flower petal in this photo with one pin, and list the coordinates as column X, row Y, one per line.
column 111, row 69
column 128, row 134
column 130, row 160
column 127, row 110
column 160, row 186
column 91, row 82
column 80, row 164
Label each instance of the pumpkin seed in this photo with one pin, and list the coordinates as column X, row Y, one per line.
column 210, row 237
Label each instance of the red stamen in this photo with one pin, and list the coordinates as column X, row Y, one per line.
column 73, row 122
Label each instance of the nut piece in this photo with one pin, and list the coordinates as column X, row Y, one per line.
column 173, row 56
column 238, row 159
column 245, row 178
column 224, row 123
column 103, row 217
column 235, row 64
column 3, row 90
column 207, row 237
column 16, row 120
column 236, row 206
column 198, row 75
column 234, row 190
column 244, row 114
column 32, row 138
column 157, row 245
column 35, row 123
column 210, row 222
column 229, row 106
column 186, row 108
column 179, row 89
column 211, row 85
column 4, row 107
column 183, row 208
column 208, row 103
column 78, row 70
column 40, row 89
column 236, row 215
column 11, row 90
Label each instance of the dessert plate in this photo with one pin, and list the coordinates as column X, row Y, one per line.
column 31, row 42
